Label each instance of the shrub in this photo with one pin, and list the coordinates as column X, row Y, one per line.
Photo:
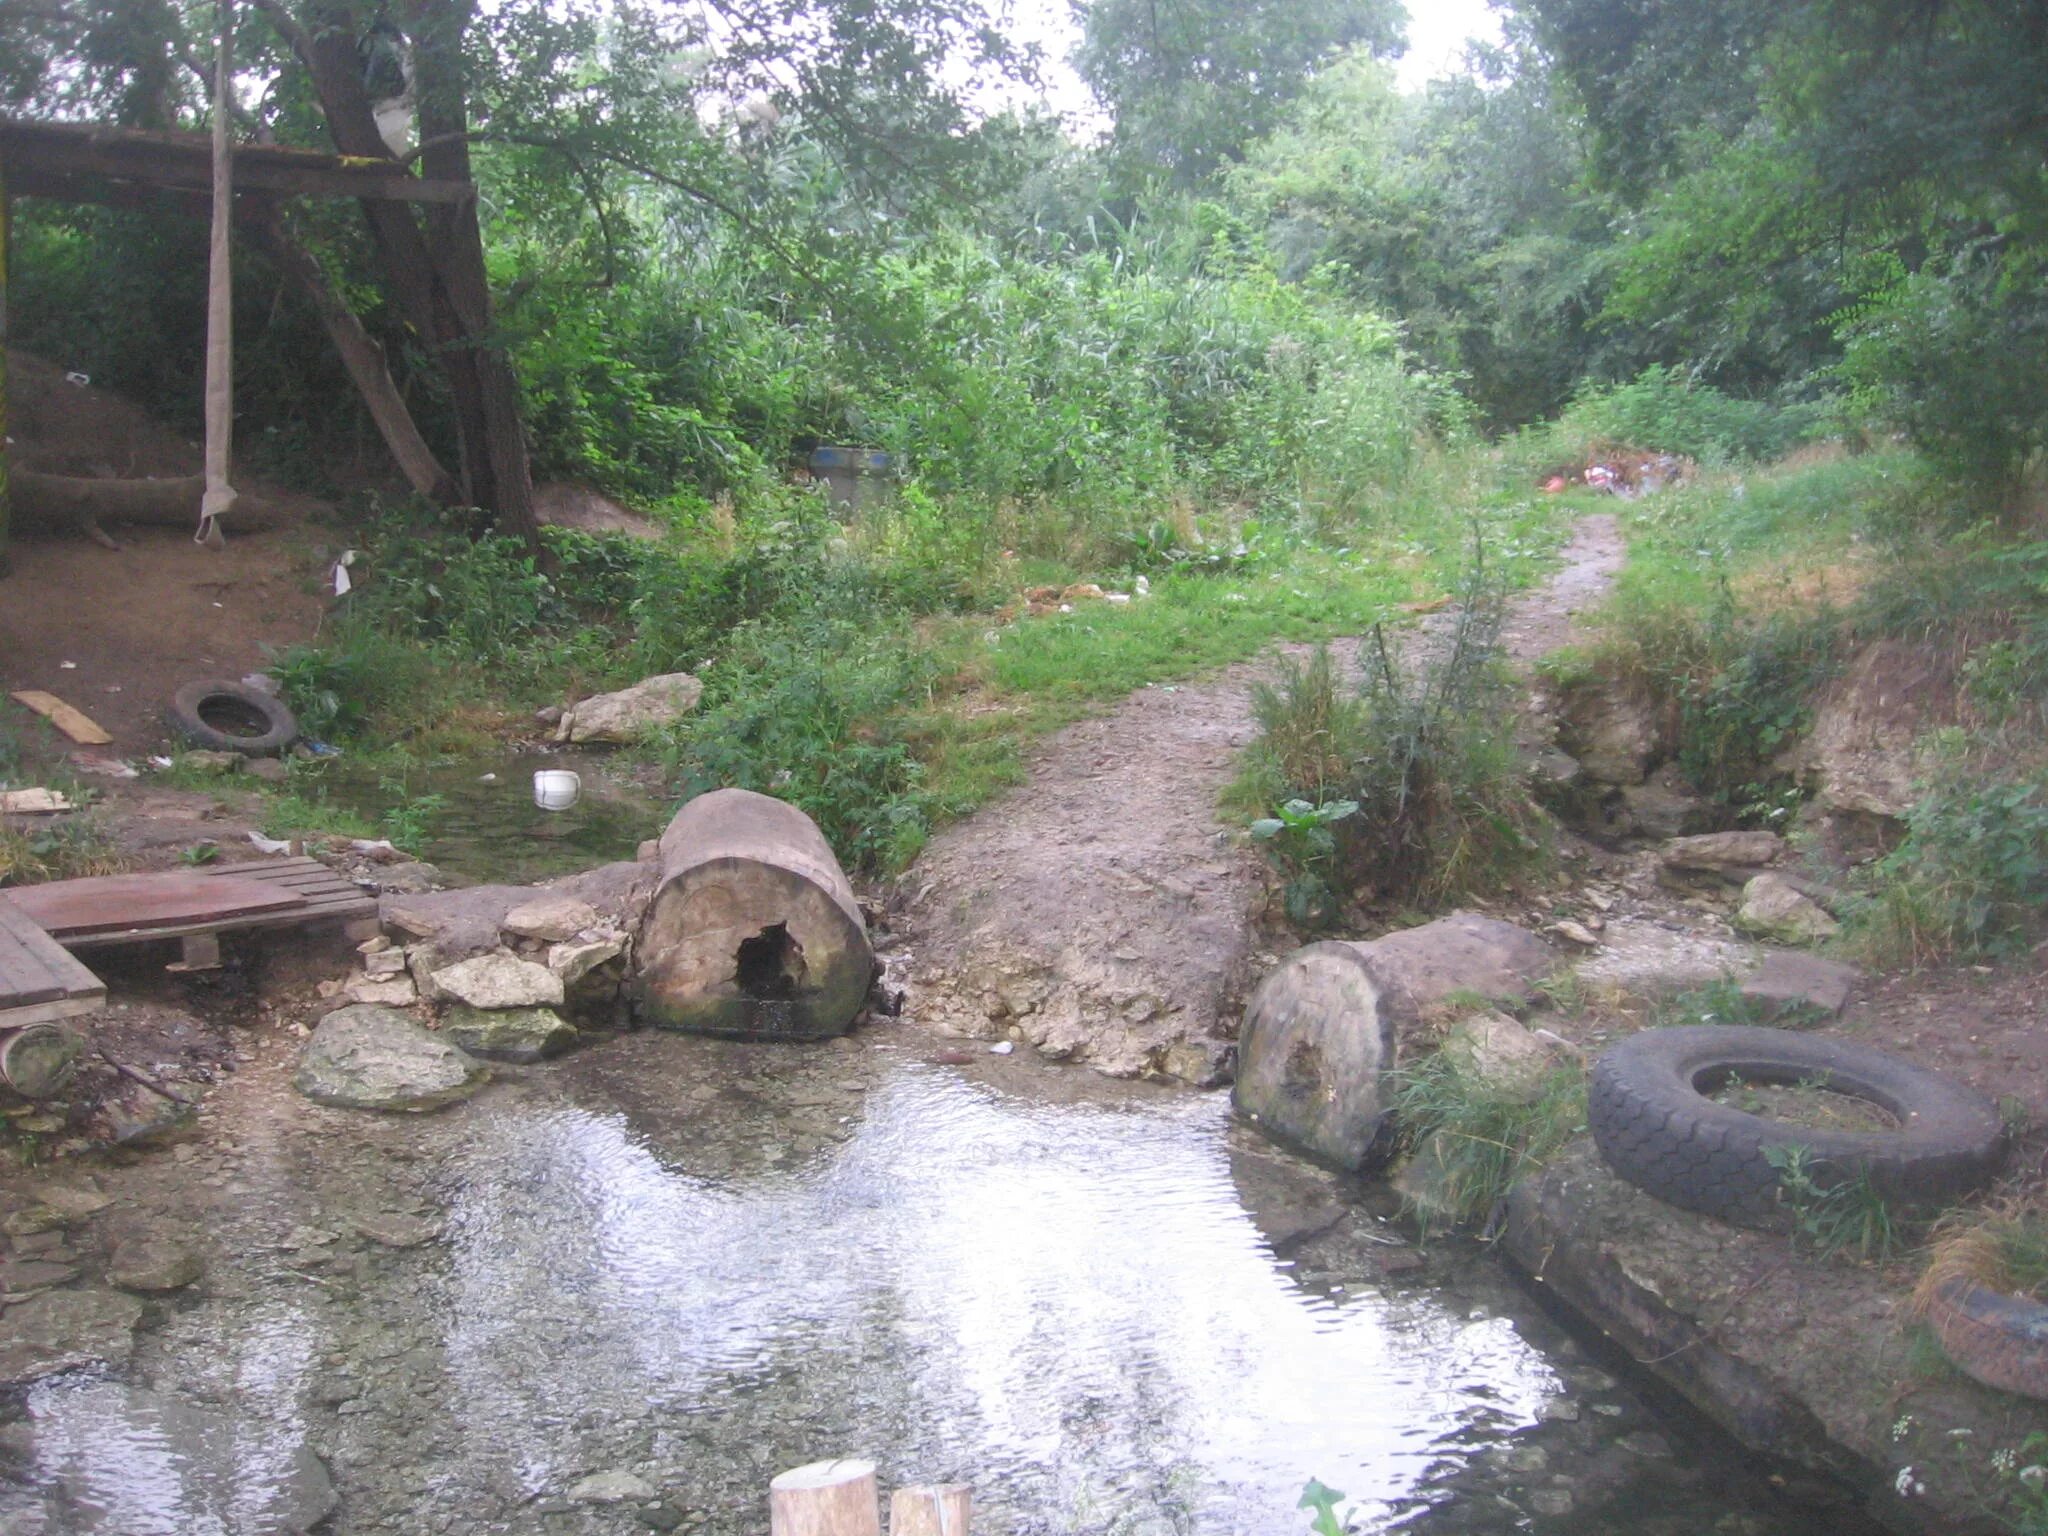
column 813, row 709
column 1666, row 410
column 1971, row 875
column 1421, row 758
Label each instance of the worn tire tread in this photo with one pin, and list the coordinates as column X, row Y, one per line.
column 1656, row 1129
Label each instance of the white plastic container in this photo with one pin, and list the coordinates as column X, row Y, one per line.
column 556, row 789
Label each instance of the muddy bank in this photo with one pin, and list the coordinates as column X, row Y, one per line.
column 1817, row 1363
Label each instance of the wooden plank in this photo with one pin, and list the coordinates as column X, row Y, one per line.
column 70, row 166
column 49, row 1013
column 79, row 727
column 37, row 972
column 26, row 974
column 70, row 910
column 32, row 802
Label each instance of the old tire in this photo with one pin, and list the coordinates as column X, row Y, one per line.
column 230, row 717
column 1656, row 1128
column 1991, row 1337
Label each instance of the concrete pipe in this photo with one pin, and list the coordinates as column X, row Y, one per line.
column 753, row 932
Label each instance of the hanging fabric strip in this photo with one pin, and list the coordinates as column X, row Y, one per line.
column 220, row 350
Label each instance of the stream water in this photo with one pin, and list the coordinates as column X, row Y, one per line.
column 699, row 1263
column 484, row 825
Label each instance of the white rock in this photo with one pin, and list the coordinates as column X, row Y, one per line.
column 572, row 962
column 630, row 713
column 500, row 981
column 384, row 991
column 611, row 1488
column 1774, row 908
column 550, row 918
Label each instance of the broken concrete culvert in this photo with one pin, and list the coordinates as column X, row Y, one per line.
column 1322, row 1032
column 752, row 930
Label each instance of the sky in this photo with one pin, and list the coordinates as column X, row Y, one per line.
column 1437, row 33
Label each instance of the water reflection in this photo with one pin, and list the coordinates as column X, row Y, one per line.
column 701, row 1263
column 1064, row 1304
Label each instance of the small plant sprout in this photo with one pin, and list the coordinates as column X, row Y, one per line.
column 1322, row 1499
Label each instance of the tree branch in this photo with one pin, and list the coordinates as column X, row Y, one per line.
column 289, row 28
column 575, row 154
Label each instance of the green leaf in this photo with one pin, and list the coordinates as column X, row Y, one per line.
column 1321, row 1498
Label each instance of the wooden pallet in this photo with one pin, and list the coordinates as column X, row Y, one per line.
column 40, row 981
column 292, row 893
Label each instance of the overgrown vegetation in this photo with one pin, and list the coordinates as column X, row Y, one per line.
column 1407, row 788
column 1481, row 1137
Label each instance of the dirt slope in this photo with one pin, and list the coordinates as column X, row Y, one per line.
column 1103, row 911
column 137, row 622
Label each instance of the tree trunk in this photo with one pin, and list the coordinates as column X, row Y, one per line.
column 753, row 931
column 78, row 503
column 458, row 248
column 362, row 356
column 450, row 309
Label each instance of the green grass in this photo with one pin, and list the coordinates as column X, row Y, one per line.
column 311, row 814
column 1839, row 1216
column 881, row 676
column 1484, row 1138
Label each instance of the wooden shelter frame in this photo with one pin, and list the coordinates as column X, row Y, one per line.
column 84, row 162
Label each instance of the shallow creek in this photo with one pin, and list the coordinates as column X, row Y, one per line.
column 700, row 1263
column 485, row 826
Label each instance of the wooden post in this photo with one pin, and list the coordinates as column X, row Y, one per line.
column 826, row 1498
column 940, row 1509
column 361, row 356
column 6, row 229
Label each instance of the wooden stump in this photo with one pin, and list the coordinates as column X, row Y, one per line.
column 939, row 1510
column 753, row 932
column 826, row 1498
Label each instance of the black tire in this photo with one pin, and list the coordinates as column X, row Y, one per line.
column 1654, row 1125
column 228, row 717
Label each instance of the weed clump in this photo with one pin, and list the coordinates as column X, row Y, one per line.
column 1408, row 790
column 68, row 849
column 1483, row 1137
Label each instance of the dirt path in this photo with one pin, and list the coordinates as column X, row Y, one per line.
column 1104, row 911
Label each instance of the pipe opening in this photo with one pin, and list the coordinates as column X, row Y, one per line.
column 770, row 965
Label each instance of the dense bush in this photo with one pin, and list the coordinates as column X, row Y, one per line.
column 1972, row 874
column 1408, row 789
column 1666, row 410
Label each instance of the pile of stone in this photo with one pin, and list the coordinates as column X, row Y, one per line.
column 498, row 967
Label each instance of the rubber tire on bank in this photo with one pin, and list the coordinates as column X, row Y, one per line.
column 1655, row 1126
column 1991, row 1337
column 191, row 704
